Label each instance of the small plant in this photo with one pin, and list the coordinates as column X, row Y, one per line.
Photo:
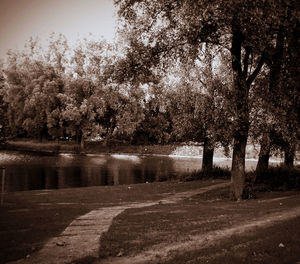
column 217, row 173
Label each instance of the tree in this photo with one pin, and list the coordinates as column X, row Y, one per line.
column 281, row 98
column 4, row 130
column 199, row 106
column 177, row 28
column 32, row 86
column 14, row 94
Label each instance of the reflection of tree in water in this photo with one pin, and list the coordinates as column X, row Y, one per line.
column 78, row 170
column 94, row 171
column 154, row 169
column 143, row 169
column 157, row 169
column 16, row 179
column 22, row 178
column 118, row 171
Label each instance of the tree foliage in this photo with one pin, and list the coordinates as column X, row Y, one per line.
column 176, row 30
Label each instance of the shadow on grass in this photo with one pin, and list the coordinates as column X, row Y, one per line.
column 84, row 260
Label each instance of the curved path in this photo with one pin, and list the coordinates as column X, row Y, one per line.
column 81, row 239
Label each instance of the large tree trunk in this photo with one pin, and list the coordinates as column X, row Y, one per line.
column 240, row 137
column 207, row 160
column 264, row 154
column 242, row 80
column 238, row 166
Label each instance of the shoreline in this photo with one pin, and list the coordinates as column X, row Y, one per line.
column 170, row 150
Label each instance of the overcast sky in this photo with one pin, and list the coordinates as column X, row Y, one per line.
column 21, row 19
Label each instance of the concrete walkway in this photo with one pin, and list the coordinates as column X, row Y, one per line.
column 81, row 239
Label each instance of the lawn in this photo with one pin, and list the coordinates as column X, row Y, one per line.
column 207, row 228
column 30, row 218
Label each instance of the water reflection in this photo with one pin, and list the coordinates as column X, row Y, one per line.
column 31, row 172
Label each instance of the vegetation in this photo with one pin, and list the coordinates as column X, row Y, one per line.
column 214, row 72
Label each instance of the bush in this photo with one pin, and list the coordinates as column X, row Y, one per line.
column 280, row 178
column 217, row 173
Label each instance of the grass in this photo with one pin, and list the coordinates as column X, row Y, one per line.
column 25, row 218
column 29, row 218
column 137, row 230
column 251, row 248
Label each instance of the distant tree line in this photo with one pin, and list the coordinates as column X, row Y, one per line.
column 79, row 93
column 215, row 72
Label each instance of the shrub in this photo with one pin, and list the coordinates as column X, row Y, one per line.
column 280, row 178
column 217, row 173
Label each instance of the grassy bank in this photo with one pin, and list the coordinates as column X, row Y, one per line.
column 176, row 149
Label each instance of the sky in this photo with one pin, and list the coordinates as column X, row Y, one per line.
column 22, row 19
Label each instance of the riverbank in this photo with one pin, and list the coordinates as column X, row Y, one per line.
column 97, row 147
column 176, row 149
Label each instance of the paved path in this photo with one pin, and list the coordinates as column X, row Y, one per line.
column 81, row 238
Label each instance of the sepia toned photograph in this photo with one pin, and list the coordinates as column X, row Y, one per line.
column 149, row 131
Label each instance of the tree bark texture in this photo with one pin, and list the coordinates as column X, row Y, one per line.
column 240, row 88
column 207, row 160
column 264, row 154
column 240, row 140
column 238, row 165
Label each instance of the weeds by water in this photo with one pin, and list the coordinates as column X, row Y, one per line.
column 217, row 173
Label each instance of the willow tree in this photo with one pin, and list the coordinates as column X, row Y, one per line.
column 176, row 29
column 4, row 130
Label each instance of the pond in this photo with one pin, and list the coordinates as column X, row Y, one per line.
column 27, row 171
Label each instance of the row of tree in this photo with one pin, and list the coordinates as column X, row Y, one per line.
column 261, row 38
column 64, row 92
column 216, row 72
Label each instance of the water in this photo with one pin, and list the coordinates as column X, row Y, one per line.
column 26, row 171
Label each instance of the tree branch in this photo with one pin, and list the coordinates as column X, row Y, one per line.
column 237, row 40
column 257, row 70
column 204, row 84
